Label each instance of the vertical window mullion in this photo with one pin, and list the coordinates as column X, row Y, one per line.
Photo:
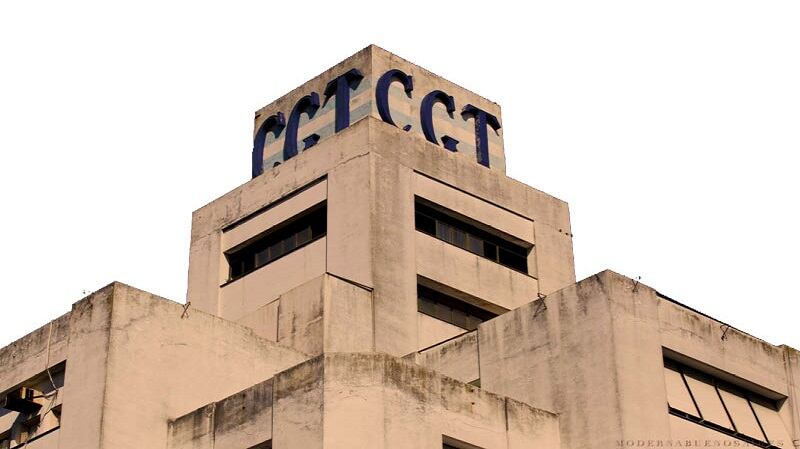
column 758, row 421
column 691, row 395
column 725, row 406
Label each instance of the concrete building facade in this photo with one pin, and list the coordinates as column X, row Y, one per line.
column 381, row 283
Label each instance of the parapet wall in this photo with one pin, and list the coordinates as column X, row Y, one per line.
column 364, row 400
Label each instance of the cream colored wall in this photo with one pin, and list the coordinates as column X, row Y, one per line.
column 23, row 363
column 236, row 422
column 325, row 314
column 281, row 182
column 240, row 298
column 27, row 357
column 552, row 235
column 456, row 358
column 393, row 250
column 432, row 330
column 253, row 226
column 483, row 212
column 350, row 231
column 379, row 401
column 593, row 353
column 366, row 400
column 471, row 274
column 135, row 359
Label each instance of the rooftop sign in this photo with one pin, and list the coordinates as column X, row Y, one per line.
column 375, row 82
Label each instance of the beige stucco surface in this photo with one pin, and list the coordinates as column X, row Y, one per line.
column 593, row 352
column 364, row 401
column 133, row 359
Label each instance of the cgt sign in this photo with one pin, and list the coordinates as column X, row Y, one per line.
column 340, row 88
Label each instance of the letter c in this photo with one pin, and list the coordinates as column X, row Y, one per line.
column 273, row 124
column 426, row 117
column 307, row 105
column 382, row 93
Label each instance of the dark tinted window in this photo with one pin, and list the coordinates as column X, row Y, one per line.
column 456, row 232
column 278, row 241
column 451, row 310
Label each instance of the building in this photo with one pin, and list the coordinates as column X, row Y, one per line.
column 381, row 283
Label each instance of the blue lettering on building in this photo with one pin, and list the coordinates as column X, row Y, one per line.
column 339, row 89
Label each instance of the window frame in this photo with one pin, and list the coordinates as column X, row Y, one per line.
column 441, row 301
column 721, row 385
column 447, row 226
column 247, row 255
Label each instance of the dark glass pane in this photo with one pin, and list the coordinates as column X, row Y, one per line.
column 427, row 306
column 425, row 224
column 304, row 236
column 262, row 257
column 443, row 312
column 473, row 322
column 459, row 238
column 289, row 243
column 512, row 260
column 474, row 245
column 275, row 250
column 450, row 309
column 319, row 223
column 443, row 231
column 459, row 318
column 490, row 250
column 237, row 268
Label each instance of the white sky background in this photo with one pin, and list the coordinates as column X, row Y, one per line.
column 671, row 128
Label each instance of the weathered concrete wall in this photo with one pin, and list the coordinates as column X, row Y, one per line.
column 432, row 331
column 484, row 213
column 86, row 382
column 554, row 259
column 239, row 421
column 791, row 416
column 350, row 189
column 474, row 275
column 376, row 401
column 593, row 352
column 25, row 363
column 327, row 313
column 26, row 357
column 134, row 360
column 304, row 199
column 365, row 401
column 205, row 254
column 456, row 358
